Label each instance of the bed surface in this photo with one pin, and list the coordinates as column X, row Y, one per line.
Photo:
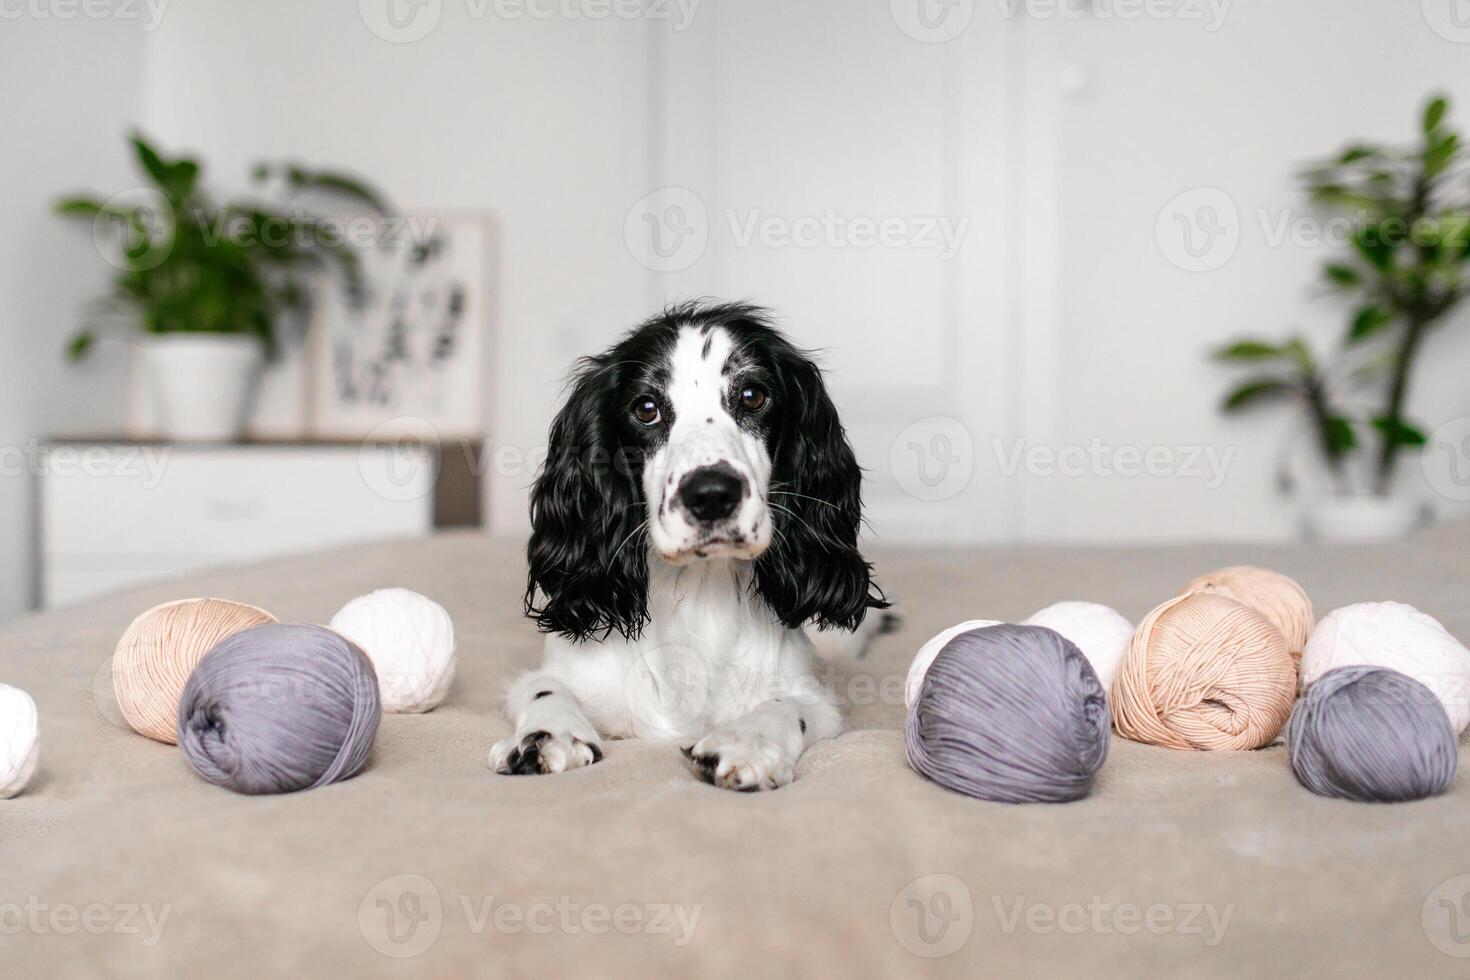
column 1197, row 863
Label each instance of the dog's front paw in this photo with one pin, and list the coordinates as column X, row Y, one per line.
column 744, row 762
column 541, row 751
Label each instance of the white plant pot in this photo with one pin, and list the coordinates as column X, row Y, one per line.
column 204, row 384
column 1362, row 517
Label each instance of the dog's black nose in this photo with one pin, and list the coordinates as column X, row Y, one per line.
column 711, row 493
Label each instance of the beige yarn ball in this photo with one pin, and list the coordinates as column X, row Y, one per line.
column 1283, row 602
column 159, row 651
column 1204, row 672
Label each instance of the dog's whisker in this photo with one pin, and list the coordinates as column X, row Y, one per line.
column 819, row 500
column 642, row 526
column 821, row 538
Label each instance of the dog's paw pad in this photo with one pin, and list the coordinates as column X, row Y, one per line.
column 542, row 752
column 744, row 763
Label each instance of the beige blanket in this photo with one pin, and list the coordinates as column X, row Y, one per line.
column 120, row 862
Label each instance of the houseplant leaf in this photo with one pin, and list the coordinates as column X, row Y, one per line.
column 1248, row 350
column 1254, row 391
column 1368, row 321
column 1398, row 432
column 1434, row 113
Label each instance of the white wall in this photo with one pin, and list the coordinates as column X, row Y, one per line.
column 1168, row 106
column 1059, row 321
column 73, row 87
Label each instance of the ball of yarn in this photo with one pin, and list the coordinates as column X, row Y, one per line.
column 1100, row 632
column 159, row 651
column 919, row 666
column 1283, row 602
column 20, row 746
column 1204, row 672
column 1013, row 714
column 278, row 708
column 1372, row 735
column 410, row 640
column 1400, row 637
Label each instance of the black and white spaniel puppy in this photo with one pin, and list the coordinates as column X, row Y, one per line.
column 699, row 505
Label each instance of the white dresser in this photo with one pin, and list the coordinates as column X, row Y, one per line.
column 114, row 514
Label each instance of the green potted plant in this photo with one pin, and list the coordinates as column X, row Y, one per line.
column 209, row 285
column 1402, row 277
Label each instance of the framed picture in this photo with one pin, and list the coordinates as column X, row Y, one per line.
column 412, row 348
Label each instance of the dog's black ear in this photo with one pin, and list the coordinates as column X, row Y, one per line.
column 587, row 559
column 813, row 571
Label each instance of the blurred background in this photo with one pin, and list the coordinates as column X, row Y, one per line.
column 276, row 276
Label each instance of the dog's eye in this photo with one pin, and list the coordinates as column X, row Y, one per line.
column 646, row 411
column 752, row 398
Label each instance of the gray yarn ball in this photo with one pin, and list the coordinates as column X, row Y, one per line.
column 278, row 708
column 1372, row 735
column 1013, row 714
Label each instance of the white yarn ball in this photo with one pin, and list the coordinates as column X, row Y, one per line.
column 930, row 650
column 20, row 745
column 1100, row 632
column 410, row 640
column 1397, row 636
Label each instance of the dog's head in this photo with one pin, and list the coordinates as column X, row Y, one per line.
column 703, row 433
